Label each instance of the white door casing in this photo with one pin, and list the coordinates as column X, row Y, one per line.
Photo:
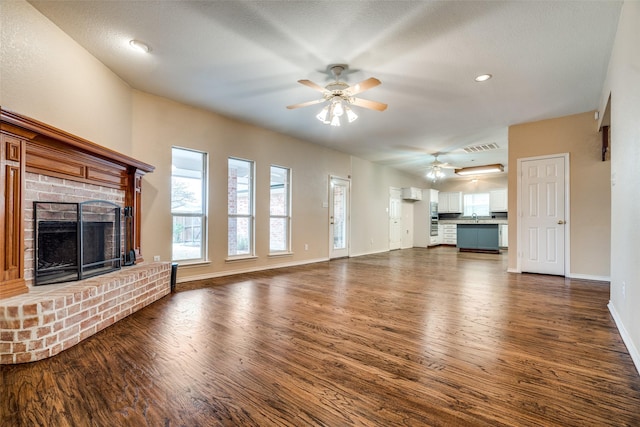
column 542, row 214
column 395, row 218
column 339, row 196
column 407, row 224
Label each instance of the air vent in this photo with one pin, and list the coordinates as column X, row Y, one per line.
column 481, row 147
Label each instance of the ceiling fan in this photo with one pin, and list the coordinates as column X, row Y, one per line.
column 435, row 169
column 339, row 96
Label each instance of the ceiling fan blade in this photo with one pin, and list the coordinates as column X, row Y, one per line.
column 306, row 104
column 367, row 84
column 312, row 85
column 372, row 105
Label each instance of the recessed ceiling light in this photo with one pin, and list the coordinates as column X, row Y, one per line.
column 483, row 77
column 139, row 46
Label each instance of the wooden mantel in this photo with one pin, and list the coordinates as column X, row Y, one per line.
column 28, row 145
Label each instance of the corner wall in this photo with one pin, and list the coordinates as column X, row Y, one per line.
column 47, row 76
column 370, row 204
column 623, row 84
column 590, row 194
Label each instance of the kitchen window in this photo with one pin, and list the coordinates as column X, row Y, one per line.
column 279, row 210
column 476, row 203
column 188, row 204
column 240, row 204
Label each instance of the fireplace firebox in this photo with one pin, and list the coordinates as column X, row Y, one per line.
column 74, row 241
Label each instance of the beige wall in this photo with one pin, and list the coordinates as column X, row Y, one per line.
column 590, row 193
column 623, row 84
column 159, row 124
column 370, row 204
column 46, row 75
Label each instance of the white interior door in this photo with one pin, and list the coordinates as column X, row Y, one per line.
column 543, row 221
column 395, row 218
column 407, row 224
column 339, row 217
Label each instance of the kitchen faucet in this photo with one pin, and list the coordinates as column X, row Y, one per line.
column 475, row 217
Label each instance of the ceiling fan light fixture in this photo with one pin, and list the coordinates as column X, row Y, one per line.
column 480, row 170
column 335, row 121
column 351, row 116
column 435, row 173
column 322, row 115
column 337, row 108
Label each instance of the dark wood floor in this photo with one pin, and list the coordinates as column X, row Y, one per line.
column 414, row 337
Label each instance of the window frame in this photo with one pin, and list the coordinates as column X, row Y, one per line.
column 251, row 216
column 203, row 214
column 473, row 196
column 286, row 216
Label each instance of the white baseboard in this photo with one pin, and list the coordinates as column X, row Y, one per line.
column 573, row 276
column 372, row 252
column 633, row 351
column 248, row 270
column 588, row 277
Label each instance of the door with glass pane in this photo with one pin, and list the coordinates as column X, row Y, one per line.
column 339, row 217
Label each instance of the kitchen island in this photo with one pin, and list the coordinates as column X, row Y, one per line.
column 478, row 237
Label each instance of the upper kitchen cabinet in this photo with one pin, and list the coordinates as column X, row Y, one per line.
column 498, row 200
column 450, row 202
column 412, row 193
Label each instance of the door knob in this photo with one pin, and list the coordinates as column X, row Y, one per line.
column 561, row 222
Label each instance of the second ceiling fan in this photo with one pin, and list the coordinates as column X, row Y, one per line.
column 339, row 97
column 436, row 169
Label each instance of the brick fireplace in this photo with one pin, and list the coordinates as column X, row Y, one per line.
column 44, row 164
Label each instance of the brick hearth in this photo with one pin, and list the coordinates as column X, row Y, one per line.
column 52, row 318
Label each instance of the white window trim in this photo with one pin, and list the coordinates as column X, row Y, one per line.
column 287, row 250
column 251, row 216
column 203, row 215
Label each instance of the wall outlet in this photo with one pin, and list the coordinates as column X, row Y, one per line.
column 306, row 247
column 156, row 257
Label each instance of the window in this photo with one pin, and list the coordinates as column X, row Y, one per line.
column 188, row 204
column 477, row 203
column 279, row 208
column 240, row 207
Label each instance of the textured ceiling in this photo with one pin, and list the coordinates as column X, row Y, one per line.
column 242, row 59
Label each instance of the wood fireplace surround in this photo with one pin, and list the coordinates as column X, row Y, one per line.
column 27, row 145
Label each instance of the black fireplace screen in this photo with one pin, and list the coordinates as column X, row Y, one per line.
column 75, row 240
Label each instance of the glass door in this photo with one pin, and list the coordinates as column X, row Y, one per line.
column 339, row 217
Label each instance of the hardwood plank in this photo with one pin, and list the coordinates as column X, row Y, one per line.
column 413, row 337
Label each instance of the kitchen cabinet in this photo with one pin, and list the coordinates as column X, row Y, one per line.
column 422, row 219
column 504, row 235
column 498, row 200
column 440, row 234
column 449, row 234
column 412, row 193
column 450, row 202
column 478, row 237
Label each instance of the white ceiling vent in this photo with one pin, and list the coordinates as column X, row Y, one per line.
column 481, row 147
